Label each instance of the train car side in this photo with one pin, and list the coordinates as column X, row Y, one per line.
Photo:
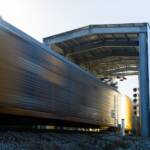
column 35, row 82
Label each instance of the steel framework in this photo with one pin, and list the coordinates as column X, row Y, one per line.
column 108, row 51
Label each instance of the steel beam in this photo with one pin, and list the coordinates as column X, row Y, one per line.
column 104, row 55
column 93, row 30
column 126, row 74
column 119, row 30
column 144, row 88
column 114, row 59
column 117, row 74
column 94, row 46
column 122, row 69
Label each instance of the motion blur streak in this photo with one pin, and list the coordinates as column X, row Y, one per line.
column 41, row 71
column 37, row 82
column 126, row 111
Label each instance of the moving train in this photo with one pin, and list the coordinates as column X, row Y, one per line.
column 37, row 82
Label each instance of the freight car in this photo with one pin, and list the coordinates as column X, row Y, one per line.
column 37, row 82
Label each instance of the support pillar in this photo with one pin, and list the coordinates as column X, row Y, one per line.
column 144, row 84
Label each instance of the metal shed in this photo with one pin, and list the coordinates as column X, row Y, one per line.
column 111, row 50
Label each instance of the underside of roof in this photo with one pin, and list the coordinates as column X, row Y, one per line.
column 105, row 50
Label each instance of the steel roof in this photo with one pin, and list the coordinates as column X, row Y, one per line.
column 105, row 50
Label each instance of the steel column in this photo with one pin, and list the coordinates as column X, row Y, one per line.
column 144, row 88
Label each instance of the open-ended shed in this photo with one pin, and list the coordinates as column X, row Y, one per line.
column 99, row 45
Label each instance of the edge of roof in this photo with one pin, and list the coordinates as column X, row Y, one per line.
column 99, row 26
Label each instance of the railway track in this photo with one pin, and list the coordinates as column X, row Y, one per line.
column 43, row 139
column 57, row 129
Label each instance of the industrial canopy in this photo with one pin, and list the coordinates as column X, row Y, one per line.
column 105, row 50
column 111, row 51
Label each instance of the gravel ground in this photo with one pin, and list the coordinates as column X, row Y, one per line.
column 11, row 140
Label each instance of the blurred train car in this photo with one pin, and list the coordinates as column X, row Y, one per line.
column 37, row 82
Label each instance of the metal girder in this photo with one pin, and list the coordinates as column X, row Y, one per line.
column 118, row 69
column 114, row 68
column 103, row 55
column 109, row 69
column 125, row 73
column 93, row 30
column 144, row 88
column 119, row 30
column 94, row 46
column 114, row 59
column 129, row 68
column 117, row 74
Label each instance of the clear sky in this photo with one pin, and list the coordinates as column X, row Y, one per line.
column 41, row 18
column 127, row 86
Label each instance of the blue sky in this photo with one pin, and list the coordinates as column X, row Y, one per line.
column 41, row 18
